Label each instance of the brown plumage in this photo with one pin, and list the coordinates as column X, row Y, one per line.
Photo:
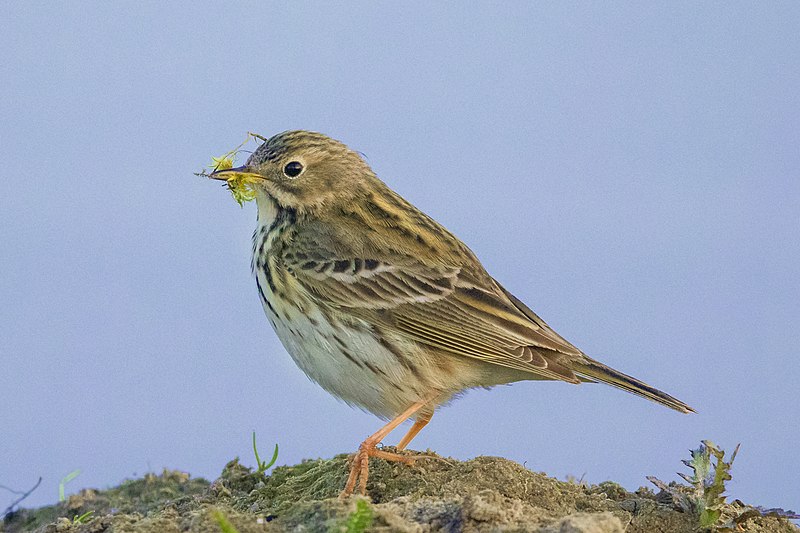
column 383, row 306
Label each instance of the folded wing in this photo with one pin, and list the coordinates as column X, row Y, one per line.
column 443, row 306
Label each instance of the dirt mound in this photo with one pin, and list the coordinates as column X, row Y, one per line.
column 435, row 494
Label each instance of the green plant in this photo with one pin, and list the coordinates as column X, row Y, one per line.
column 360, row 519
column 709, row 480
column 64, row 480
column 262, row 466
column 240, row 184
column 704, row 495
column 82, row 518
column 223, row 522
column 706, row 485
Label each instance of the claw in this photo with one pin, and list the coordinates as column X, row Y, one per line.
column 359, row 461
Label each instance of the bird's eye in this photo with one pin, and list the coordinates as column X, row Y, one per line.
column 293, row 169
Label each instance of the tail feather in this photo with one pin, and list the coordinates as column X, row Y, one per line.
column 596, row 371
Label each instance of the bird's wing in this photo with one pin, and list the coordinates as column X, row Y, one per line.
column 366, row 283
column 447, row 307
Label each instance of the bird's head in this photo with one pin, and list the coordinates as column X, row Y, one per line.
column 303, row 170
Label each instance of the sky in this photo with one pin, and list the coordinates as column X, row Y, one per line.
column 628, row 170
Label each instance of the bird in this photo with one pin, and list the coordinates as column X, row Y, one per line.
column 381, row 305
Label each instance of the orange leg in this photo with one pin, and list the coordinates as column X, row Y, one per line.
column 359, row 468
column 419, row 423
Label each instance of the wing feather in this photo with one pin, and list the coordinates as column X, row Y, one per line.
column 439, row 305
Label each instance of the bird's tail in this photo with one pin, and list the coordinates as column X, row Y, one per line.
column 596, row 371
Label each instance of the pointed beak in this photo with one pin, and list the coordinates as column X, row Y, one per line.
column 228, row 173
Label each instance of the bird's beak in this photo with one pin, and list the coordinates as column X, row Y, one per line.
column 229, row 173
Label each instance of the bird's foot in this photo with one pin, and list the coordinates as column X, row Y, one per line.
column 359, row 466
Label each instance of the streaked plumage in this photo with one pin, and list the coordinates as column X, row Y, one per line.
column 380, row 304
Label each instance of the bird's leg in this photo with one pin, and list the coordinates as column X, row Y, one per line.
column 419, row 423
column 359, row 468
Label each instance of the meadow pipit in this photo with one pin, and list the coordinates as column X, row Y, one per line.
column 381, row 305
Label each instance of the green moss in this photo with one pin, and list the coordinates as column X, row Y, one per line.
column 435, row 494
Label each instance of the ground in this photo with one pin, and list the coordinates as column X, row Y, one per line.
column 435, row 494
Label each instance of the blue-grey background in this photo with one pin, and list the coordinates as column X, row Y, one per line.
column 629, row 170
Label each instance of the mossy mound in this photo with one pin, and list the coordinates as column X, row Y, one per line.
column 435, row 494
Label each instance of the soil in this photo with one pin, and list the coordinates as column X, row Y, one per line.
column 435, row 494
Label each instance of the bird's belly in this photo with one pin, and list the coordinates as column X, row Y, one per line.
column 347, row 356
column 346, row 360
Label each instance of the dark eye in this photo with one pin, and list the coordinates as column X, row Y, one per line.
column 293, row 169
